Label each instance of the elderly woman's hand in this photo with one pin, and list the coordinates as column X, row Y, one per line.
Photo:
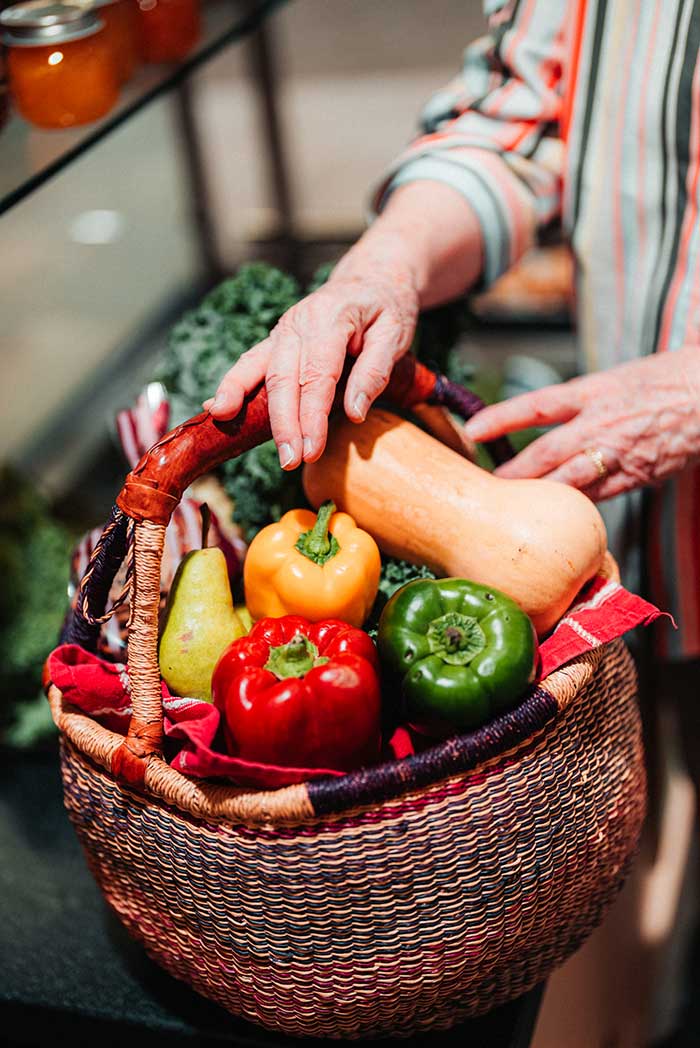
column 633, row 425
column 371, row 316
column 425, row 248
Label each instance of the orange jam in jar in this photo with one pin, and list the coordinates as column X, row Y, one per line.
column 4, row 99
column 120, row 29
column 168, row 29
column 60, row 67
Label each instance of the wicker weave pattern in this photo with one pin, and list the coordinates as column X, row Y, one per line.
column 384, row 920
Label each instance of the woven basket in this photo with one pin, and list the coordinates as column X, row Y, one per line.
column 400, row 898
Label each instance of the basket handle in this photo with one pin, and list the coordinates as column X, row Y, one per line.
column 156, row 484
column 150, row 494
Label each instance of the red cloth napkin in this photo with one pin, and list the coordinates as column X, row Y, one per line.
column 191, row 726
column 603, row 611
column 194, row 742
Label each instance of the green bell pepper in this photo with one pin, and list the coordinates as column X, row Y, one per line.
column 460, row 653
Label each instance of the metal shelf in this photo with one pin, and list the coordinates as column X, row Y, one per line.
column 31, row 156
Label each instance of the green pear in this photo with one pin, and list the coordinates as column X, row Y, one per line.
column 200, row 621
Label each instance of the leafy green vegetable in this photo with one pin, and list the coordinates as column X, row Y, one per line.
column 233, row 317
column 209, row 339
column 260, row 489
column 320, row 276
column 35, row 554
column 31, row 726
column 395, row 573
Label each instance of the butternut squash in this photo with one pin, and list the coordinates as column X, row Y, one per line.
column 536, row 540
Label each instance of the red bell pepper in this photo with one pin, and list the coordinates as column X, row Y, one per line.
column 296, row 693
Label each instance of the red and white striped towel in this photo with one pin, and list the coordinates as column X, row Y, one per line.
column 138, row 428
column 604, row 610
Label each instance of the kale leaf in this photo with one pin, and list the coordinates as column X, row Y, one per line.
column 35, row 550
column 395, row 573
column 207, row 341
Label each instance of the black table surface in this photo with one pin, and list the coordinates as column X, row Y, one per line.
column 69, row 970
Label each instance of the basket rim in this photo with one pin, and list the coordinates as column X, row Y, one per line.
column 476, row 751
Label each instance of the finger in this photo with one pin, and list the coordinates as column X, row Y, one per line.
column 240, row 380
column 282, row 382
column 384, row 342
column 544, row 454
column 581, row 471
column 609, row 487
column 319, row 372
column 543, row 407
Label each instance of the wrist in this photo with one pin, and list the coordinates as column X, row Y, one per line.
column 383, row 253
column 428, row 236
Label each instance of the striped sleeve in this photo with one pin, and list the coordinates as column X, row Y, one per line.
column 492, row 132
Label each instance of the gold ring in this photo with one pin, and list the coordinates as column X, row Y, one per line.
column 596, row 458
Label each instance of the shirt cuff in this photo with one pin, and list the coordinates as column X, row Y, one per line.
column 488, row 200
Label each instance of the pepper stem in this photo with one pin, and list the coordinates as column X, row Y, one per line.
column 318, row 544
column 456, row 638
column 294, row 659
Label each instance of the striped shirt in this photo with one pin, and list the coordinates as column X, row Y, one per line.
column 588, row 111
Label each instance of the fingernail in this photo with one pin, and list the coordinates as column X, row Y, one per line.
column 218, row 400
column 286, row 455
column 308, row 446
column 208, row 403
column 361, row 405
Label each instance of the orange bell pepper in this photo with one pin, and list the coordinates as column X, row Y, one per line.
column 318, row 566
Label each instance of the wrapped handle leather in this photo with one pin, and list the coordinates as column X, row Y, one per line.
column 157, row 483
column 149, row 496
column 155, row 486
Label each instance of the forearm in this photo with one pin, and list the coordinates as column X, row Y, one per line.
column 428, row 235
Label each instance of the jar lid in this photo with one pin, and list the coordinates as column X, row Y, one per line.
column 46, row 22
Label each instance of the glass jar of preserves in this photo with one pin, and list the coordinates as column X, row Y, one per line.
column 120, row 28
column 4, row 104
column 59, row 64
column 168, row 29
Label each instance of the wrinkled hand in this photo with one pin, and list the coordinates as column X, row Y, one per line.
column 370, row 315
column 643, row 417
